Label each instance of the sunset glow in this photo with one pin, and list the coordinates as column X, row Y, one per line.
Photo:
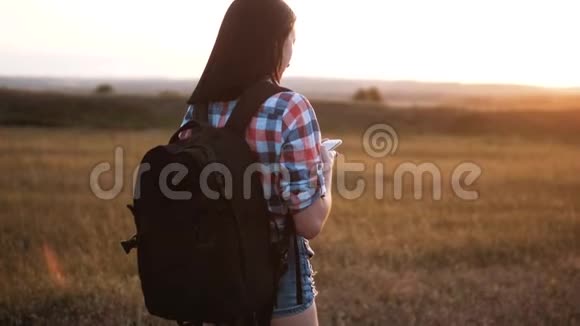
column 523, row 42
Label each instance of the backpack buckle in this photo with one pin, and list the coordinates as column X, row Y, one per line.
column 130, row 244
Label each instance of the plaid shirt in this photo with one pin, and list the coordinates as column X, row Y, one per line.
column 286, row 137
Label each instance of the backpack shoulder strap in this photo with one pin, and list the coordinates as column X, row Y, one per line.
column 201, row 115
column 202, row 112
column 249, row 103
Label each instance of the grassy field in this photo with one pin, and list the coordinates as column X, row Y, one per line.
column 512, row 257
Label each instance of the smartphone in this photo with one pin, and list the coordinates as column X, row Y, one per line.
column 332, row 144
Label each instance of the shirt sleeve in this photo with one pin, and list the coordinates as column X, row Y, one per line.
column 302, row 181
column 188, row 115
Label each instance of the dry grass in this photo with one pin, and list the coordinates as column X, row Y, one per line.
column 511, row 257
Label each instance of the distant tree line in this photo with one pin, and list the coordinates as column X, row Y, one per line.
column 104, row 89
column 107, row 89
column 371, row 94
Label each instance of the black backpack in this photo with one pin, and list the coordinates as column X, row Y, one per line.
column 207, row 255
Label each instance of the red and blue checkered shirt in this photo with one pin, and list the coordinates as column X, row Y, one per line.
column 285, row 135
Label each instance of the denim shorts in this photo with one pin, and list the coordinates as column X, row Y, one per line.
column 287, row 304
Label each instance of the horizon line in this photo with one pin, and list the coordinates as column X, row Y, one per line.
column 346, row 79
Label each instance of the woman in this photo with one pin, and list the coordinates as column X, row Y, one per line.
column 255, row 43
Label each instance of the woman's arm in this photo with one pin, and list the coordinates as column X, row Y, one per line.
column 306, row 187
column 310, row 221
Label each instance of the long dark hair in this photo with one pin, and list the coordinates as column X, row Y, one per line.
column 248, row 49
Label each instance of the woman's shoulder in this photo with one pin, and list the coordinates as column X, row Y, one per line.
column 288, row 102
column 287, row 97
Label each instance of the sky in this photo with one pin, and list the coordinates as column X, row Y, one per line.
column 533, row 42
